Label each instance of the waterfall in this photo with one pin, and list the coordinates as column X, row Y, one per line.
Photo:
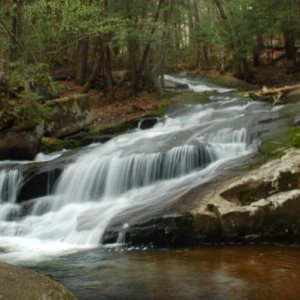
column 10, row 182
column 228, row 142
column 93, row 178
column 140, row 171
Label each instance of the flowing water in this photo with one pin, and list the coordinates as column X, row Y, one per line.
column 136, row 171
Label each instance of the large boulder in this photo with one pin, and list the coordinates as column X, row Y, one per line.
column 19, row 145
column 68, row 115
column 18, row 283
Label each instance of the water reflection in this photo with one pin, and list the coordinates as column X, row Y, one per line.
column 237, row 272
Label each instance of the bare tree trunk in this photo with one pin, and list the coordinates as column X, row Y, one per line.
column 290, row 48
column 147, row 48
column 133, row 49
column 82, row 60
column 17, row 34
column 108, row 73
column 257, row 50
column 107, row 60
column 98, row 60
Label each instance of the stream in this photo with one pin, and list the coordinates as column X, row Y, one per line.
column 139, row 173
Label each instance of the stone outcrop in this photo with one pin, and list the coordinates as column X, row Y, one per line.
column 21, row 145
column 262, row 205
column 68, row 115
column 18, row 283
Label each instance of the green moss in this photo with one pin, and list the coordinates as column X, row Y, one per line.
column 275, row 146
column 247, row 197
column 26, row 125
column 119, row 127
column 271, row 149
column 93, row 130
column 294, row 137
column 160, row 110
column 50, row 144
column 185, row 214
column 192, row 97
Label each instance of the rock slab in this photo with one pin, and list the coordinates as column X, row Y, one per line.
column 18, row 283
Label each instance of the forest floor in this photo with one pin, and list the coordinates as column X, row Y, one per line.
column 125, row 107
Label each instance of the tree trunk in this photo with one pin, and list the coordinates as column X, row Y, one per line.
column 108, row 73
column 147, row 48
column 98, row 60
column 257, row 50
column 17, row 38
column 82, row 60
column 133, row 49
column 290, row 48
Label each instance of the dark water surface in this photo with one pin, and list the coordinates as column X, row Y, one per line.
column 229, row 272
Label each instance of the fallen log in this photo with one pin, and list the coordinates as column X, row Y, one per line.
column 275, row 95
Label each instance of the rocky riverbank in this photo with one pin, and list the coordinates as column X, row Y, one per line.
column 262, row 205
column 18, row 283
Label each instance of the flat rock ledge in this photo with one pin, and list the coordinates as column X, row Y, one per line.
column 262, row 205
column 18, row 283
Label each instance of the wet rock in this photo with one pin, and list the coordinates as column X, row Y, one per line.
column 19, row 145
column 168, row 230
column 147, row 123
column 207, row 226
column 181, row 86
column 236, row 224
column 50, row 144
column 19, row 283
column 39, row 183
column 40, row 178
column 91, row 139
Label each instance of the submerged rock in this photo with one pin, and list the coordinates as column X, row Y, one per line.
column 18, row 283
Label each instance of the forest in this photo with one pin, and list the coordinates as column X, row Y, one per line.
column 43, row 42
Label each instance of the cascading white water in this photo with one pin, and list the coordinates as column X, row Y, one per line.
column 141, row 169
column 10, row 181
column 197, row 86
column 113, row 175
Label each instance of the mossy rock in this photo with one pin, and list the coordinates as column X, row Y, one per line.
column 276, row 146
column 193, row 98
column 118, row 127
column 51, row 144
column 69, row 115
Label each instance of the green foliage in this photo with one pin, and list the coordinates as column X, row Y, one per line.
column 170, row 35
